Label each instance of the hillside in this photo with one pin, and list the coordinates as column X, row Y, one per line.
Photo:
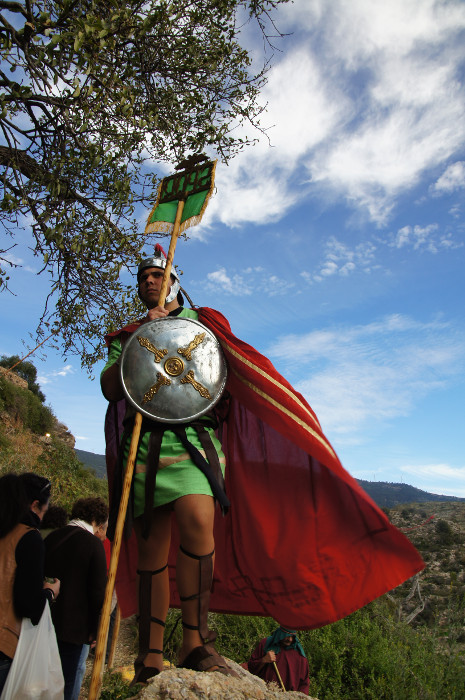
column 94, row 461
column 32, row 439
column 388, row 495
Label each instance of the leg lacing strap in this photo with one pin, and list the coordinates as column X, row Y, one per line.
column 157, row 622
column 144, row 617
column 203, row 594
column 152, row 573
column 199, row 557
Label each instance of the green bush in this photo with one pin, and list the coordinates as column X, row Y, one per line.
column 4, row 440
column 444, row 532
column 114, row 687
column 58, row 463
column 368, row 655
column 69, row 478
column 25, row 406
column 25, row 370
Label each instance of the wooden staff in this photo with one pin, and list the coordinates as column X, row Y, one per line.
column 97, row 671
column 279, row 676
column 102, row 635
column 114, row 639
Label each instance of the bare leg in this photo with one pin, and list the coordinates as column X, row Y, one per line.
column 195, row 516
column 152, row 560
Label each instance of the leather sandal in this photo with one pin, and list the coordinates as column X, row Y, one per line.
column 204, row 657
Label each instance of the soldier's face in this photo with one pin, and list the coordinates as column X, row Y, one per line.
column 150, row 283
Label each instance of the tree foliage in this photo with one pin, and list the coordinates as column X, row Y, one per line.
column 93, row 95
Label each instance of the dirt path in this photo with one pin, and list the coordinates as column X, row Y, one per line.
column 124, row 652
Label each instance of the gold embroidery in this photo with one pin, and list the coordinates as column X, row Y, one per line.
column 273, row 381
column 282, row 408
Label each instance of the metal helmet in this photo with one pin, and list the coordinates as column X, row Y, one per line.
column 159, row 260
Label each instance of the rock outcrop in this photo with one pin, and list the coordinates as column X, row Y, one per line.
column 60, row 430
column 183, row 684
column 13, row 377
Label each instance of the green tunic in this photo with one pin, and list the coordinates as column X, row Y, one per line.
column 177, row 475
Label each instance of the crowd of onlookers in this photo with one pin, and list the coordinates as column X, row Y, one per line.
column 48, row 559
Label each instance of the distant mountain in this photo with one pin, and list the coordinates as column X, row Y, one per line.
column 384, row 494
column 388, row 495
column 94, row 461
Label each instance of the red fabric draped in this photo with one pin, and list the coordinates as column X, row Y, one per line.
column 302, row 543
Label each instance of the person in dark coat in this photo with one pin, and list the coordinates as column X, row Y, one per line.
column 280, row 659
column 77, row 558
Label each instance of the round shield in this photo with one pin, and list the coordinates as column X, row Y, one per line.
column 173, row 369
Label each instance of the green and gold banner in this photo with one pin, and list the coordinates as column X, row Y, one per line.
column 193, row 185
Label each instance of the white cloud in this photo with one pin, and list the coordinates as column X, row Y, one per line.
column 221, row 280
column 415, row 236
column 340, row 259
column 48, row 378
column 438, row 478
column 18, row 262
column 453, row 178
column 362, row 376
column 443, row 471
column 426, row 238
column 266, row 180
column 250, row 281
column 365, row 101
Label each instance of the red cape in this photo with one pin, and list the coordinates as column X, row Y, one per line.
column 302, row 543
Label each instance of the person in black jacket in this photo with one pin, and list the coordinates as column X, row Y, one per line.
column 77, row 558
column 23, row 501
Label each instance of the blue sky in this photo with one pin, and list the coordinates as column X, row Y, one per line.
column 337, row 247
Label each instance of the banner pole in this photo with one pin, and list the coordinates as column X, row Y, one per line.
column 97, row 670
column 114, row 639
column 170, row 256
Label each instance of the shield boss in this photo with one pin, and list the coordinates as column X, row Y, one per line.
column 173, row 369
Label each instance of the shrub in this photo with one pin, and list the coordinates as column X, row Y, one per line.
column 444, row 532
column 25, row 370
column 368, row 655
column 70, row 479
column 25, row 406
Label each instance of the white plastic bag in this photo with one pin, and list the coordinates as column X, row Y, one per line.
column 35, row 673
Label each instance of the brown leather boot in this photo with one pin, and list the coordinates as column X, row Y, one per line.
column 143, row 672
column 204, row 657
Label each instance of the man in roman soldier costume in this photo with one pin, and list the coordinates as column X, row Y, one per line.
column 302, row 542
column 166, row 458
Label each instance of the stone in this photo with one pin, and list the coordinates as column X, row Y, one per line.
column 184, row 684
